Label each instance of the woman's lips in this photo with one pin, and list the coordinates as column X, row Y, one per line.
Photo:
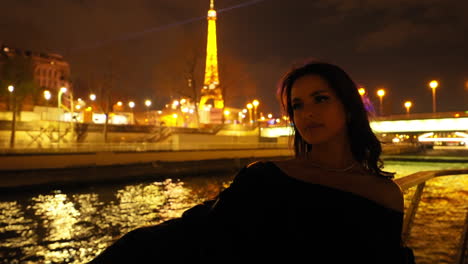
column 314, row 125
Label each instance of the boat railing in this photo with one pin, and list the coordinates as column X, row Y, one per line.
column 419, row 180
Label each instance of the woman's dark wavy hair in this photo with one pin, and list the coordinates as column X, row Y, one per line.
column 365, row 146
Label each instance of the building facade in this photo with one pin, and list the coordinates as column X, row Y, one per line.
column 50, row 71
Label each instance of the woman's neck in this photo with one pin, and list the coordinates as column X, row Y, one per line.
column 334, row 154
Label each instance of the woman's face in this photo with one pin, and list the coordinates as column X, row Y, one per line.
column 319, row 115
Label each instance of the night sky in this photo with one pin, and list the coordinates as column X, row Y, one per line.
column 144, row 46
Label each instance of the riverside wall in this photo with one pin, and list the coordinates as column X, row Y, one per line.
column 133, row 152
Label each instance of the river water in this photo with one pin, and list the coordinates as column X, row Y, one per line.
column 72, row 225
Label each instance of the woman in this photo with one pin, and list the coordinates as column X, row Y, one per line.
column 331, row 203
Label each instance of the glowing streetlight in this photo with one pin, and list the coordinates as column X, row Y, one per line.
column 47, row 95
column 408, row 105
column 270, row 116
column 11, row 88
column 362, row 91
column 59, row 97
column 381, row 94
column 148, row 104
column 131, row 104
column 92, row 97
column 433, row 85
column 255, row 104
column 249, row 108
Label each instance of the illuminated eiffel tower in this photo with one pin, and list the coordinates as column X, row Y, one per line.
column 211, row 99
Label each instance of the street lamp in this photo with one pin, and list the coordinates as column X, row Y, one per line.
column 131, row 104
column 92, row 97
column 408, row 105
column 249, row 107
column 381, row 94
column 226, row 114
column 47, row 95
column 433, row 84
column 148, row 104
column 11, row 89
column 362, row 91
column 62, row 90
column 255, row 104
column 59, row 97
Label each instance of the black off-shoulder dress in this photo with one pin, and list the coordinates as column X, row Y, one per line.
column 266, row 216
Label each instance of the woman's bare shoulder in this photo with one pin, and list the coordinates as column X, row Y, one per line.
column 379, row 189
column 389, row 193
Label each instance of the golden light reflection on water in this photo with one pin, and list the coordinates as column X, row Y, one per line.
column 437, row 227
column 73, row 227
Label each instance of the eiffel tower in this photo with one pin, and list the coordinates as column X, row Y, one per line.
column 211, row 100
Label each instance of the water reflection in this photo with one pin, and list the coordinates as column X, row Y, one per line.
column 436, row 232
column 75, row 225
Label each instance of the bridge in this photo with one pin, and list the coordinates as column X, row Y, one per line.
column 438, row 129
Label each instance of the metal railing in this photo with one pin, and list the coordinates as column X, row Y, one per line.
column 419, row 180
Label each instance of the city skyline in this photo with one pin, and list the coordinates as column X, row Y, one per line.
column 392, row 44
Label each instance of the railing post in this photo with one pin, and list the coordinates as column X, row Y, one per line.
column 463, row 249
column 411, row 212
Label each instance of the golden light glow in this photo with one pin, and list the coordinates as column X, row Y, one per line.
column 92, row 97
column 119, row 103
column 211, row 92
column 131, row 104
column 78, row 107
column 174, row 115
column 211, row 66
column 434, row 84
column 148, row 103
column 11, row 88
column 227, row 112
column 381, row 92
column 270, row 116
column 47, row 95
column 362, row 91
column 420, row 125
column 255, row 103
column 408, row 104
column 249, row 106
column 63, row 89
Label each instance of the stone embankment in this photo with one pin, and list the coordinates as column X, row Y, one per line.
column 33, row 169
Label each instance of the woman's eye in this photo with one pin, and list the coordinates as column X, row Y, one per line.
column 296, row 106
column 321, row 98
